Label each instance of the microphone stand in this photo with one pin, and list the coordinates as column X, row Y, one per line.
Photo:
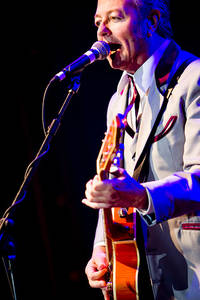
column 7, row 246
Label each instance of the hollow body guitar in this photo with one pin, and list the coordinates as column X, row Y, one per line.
column 119, row 223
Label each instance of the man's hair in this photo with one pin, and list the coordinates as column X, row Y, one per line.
column 164, row 26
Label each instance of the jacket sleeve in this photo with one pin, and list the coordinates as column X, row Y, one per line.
column 179, row 193
column 99, row 235
column 175, row 195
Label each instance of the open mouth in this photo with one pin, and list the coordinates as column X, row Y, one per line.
column 114, row 48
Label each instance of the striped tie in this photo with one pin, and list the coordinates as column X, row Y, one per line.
column 134, row 101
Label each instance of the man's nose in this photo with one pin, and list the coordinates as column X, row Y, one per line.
column 103, row 30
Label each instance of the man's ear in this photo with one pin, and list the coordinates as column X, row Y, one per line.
column 153, row 21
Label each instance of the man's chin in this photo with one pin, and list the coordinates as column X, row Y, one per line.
column 114, row 59
column 115, row 64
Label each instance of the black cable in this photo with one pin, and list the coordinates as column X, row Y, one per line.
column 43, row 108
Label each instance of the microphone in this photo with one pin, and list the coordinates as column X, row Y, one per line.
column 99, row 51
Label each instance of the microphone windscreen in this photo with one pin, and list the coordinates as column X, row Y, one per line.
column 103, row 48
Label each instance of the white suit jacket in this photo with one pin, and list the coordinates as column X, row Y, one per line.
column 172, row 240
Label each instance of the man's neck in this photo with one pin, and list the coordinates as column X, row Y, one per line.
column 155, row 42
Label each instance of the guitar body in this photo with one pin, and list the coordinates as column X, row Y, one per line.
column 119, row 224
column 122, row 254
column 125, row 269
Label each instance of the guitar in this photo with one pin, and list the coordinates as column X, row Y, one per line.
column 119, row 223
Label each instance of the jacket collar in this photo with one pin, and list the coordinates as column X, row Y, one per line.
column 167, row 66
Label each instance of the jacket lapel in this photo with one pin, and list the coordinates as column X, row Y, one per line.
column 120, row 103
column 163, row 74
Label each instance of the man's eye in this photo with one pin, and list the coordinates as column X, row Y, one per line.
column 115, row 18
column 97, row 23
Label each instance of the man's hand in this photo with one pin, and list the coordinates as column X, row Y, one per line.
column 96, row 269
column 121, row 191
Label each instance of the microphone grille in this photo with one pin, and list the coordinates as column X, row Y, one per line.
column 103, row 49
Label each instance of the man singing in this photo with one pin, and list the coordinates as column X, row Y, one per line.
column 168, row 202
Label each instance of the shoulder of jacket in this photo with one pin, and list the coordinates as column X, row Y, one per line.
column 191, row 74
column 193, row 65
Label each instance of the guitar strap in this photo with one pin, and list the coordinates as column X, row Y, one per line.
column 140, row 174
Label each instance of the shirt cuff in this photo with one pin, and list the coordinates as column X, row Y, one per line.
column 148, row 214
column 99, row 244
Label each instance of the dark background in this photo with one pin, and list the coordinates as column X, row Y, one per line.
column 53, row 230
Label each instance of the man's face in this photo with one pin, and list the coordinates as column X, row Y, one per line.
column 120, row 24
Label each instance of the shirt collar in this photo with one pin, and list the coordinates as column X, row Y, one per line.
column 144, row 75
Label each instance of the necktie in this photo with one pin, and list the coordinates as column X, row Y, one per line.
column 131, row 122
column 134, row 102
